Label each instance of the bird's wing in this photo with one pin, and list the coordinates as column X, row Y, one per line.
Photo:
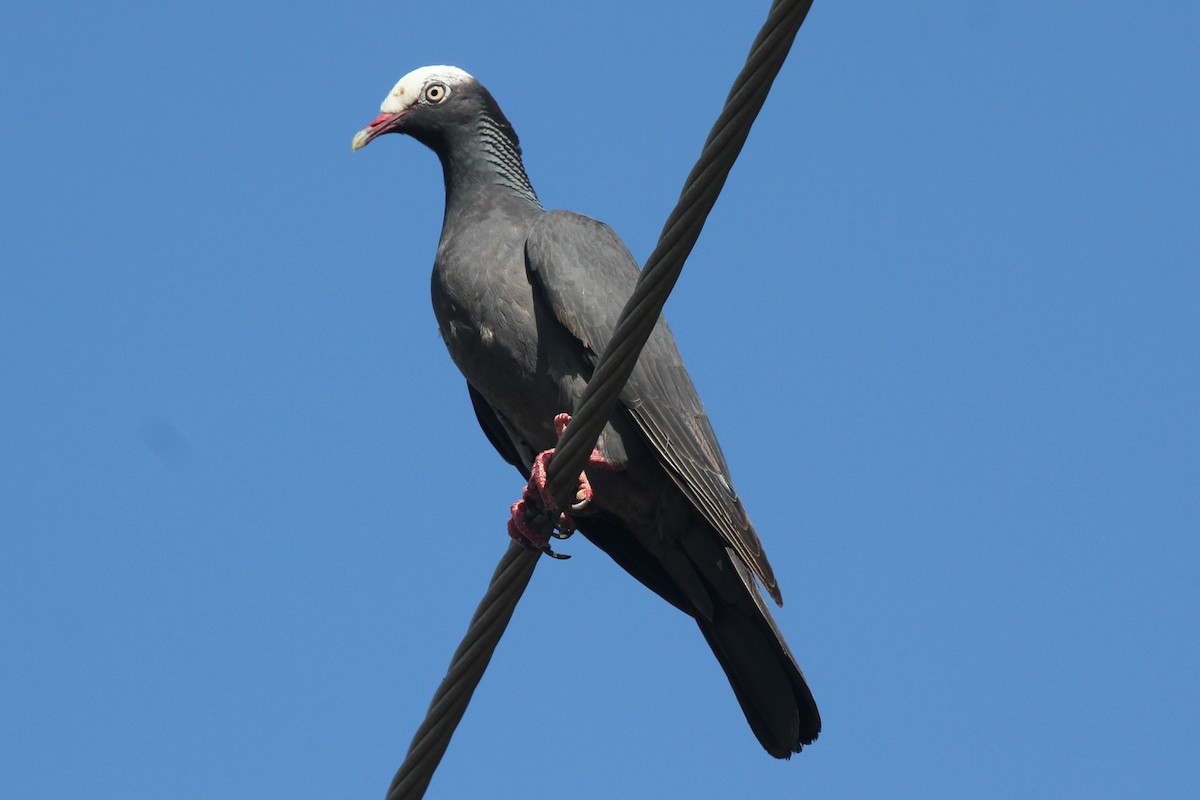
column 585, row 273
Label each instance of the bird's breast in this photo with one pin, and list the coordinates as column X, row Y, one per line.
column 485, row 313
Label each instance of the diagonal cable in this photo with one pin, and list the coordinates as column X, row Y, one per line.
column 636, row 322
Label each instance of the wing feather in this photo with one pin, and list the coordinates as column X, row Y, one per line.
column 586, row 274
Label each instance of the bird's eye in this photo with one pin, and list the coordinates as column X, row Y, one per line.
column 436, row 93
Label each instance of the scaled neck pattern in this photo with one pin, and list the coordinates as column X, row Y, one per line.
column 504, row 154
column 488, row 160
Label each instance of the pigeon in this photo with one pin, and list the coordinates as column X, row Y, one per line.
column 526, row 300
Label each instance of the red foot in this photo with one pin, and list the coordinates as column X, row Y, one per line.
column 536, row 497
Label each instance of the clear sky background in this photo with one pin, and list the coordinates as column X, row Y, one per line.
column 944, row 317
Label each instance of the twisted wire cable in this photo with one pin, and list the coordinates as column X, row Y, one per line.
column 636, row 322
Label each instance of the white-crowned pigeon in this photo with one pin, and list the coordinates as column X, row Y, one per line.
column 526, row 299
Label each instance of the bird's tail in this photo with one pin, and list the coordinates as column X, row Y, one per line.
column 762, row 671
column 741, row 632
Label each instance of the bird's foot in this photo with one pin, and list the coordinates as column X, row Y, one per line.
column 536, row 501
column 528, row 515
column 526, row 521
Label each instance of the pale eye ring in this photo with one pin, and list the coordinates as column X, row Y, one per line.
column 436, row 93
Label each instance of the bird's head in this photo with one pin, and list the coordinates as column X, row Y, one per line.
column 424, row 102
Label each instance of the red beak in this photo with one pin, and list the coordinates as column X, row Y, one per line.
column 384, row 123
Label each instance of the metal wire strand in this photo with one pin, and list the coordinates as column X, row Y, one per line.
column 637, row 320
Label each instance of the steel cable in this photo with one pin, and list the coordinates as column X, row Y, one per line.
column 637, row 320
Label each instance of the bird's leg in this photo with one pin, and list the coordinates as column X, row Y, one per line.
column 536, row 499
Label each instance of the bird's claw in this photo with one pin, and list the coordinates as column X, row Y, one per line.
column 526, row 522
column 583, row 495
column 536, row 500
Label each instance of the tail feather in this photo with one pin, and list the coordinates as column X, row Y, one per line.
column 769, row 686
column 741, row 632
column 761, row 669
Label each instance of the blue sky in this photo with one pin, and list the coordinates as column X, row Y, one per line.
column 944, row 318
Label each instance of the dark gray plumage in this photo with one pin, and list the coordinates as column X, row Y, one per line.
column 526, row 300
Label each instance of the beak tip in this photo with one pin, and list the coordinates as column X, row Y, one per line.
column 386, row 122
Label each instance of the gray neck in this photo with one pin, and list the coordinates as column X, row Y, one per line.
column 484, row 159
